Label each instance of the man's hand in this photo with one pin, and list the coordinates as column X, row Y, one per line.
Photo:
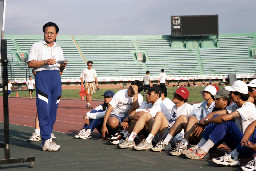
column 125, row 124
column 135, row 89
column 63, row 66
column 198, row 130
column 104, row 130
column 202, row 122
column 86, row 120
column 50, row 61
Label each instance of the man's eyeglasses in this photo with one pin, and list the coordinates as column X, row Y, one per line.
column 49, row 33
column 89, row 65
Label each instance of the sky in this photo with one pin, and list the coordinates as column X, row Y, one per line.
column 124, row 17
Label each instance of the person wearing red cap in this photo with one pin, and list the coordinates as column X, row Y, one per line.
column 188, row 122
column 161, row 124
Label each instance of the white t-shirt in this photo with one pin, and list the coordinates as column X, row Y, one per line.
column 96, row 113
column 162, row 77
column 202, row 111
column 248, row 115
column 232, row 107
column 185, row 109
column 89, row 75
column 9, row 86
column 31, row 84
column 159, row 106
column 41, row 51
column 122, row 103
column 168, row 103
column 144, row 106
column 146, row 79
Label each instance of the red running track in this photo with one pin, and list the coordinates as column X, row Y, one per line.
column 22, row 111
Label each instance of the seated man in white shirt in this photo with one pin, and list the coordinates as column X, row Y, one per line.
column 123, row 102
column 228, row 128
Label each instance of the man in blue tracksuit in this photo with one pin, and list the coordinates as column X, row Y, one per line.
column 46, row 57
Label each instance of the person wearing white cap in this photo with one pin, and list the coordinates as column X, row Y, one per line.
column 247, row 145
column 228, row 128
column 188, row 122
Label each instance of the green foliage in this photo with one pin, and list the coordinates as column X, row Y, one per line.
column 195, row 95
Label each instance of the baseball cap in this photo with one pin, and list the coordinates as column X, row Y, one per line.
column 183, row 92
column 108, row 93
column 239, row 86
column 155, row 88
column 211, row 89
column 228, row 88
column 252, row 83
column 222, row 93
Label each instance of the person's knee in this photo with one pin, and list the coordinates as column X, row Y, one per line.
column 113, row 122
column 182, row 119
column 193, row 119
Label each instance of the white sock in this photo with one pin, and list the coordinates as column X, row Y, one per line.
column 132, row 136
column 201, row 142
column 150, row 138
column 254, row 158
column 89, row 130
column 234, row 153
column 207, row 146
column 167, row 138
column 37, row 131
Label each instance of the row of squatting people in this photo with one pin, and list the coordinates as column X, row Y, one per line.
column 222, row 117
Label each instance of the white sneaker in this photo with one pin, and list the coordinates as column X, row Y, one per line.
column 49, row 145
column 251, row 166
column 159, row 146
column 196, row 154
column 35, row 138
column 179, row 148
column 144, row 145
column 227, row 160
column 84, row 134
column 116, row 139
column 190, row 150
column 126, row 144
column 53, row 136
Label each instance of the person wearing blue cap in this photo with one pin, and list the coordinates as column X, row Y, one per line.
column 94, row 118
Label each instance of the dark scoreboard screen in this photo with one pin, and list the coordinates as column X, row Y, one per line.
column 195, row 25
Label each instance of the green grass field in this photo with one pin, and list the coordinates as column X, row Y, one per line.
column 195, row 95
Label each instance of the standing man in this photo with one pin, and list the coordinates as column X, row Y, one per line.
column 89, row 76
column 31, row 86
column 162, row 79
column 147, row 81
column 46, row 57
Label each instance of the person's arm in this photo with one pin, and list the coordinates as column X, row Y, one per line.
column 36, row 64
column 223, row 118
column 82, row 81
column 96, row 81
column 248, row 132
column 210, row 115
column 104, row 125
column 135, row 103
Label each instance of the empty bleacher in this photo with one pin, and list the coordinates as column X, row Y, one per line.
column 114, row 56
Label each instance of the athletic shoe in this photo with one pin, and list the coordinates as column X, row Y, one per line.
column 227, row 160
column 178, row 149
column 144, row 145
column 126, row 144
column 251, row 165
column 88, row 106
column 49, row 145
column 84, row 134
column 190, row 150
column 115, row 139
column 35, row 138
column 159, row 146
column 196, row 154
column 53, row 136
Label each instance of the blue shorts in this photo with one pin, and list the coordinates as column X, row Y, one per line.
column 119, row 117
